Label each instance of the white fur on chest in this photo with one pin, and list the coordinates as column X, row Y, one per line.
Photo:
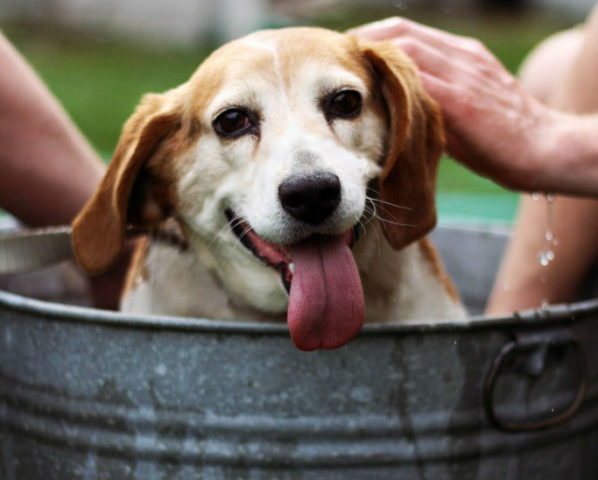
column 399, row 287
column 403, row 286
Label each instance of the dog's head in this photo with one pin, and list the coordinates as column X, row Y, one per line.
column 269, row 156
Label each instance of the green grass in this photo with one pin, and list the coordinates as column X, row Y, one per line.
column 99, row 80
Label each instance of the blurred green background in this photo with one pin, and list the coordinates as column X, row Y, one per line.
column 99, row 77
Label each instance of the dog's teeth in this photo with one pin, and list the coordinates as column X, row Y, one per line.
column 292, row 267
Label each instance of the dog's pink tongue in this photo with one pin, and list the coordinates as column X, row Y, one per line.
column 326, row 307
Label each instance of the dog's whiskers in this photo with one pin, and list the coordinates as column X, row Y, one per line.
column 245, row 232
column 215, row 242
column 370, row 214
column 219, row 237
column 398, row 224
column 377, row 204
column 390, row 204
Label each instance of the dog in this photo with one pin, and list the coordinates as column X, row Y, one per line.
column 299, row 165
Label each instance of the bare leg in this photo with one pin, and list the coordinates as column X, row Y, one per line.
column 562, row 72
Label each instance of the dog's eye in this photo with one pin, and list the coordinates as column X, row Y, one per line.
column 343, row 104
column 233, row 123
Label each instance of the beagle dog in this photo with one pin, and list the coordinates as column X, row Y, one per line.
column 299, row 165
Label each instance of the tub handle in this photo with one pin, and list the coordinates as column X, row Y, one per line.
column 521, row 344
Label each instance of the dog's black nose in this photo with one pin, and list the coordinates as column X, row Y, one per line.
column 311, row 198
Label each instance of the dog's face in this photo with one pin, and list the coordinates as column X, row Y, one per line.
column 289, row 140
column 265, row 157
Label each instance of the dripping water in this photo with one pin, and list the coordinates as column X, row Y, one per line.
column 546, row 256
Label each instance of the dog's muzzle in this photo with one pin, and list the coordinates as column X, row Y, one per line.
column 310, row 198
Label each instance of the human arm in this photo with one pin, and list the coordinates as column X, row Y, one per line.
column 524, row 282
column 48, row 169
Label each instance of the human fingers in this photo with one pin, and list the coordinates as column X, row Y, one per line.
column 385, row 29
column 450, row 57
column 451, row 98
column 469, row 83
column 465, row 56
column 427, row 59
column 393, row 27
column 396, row 27
column 471, row 126
column 435, row 62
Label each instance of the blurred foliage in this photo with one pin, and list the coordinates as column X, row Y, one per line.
column 99, row 79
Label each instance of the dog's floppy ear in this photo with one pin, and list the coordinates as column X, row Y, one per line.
column 99, row 229
column 408, row 181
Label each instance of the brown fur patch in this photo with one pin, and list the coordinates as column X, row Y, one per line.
column 408, row 181
column 432, row 257
column 137, row 269
column 154, row 195
column 99, row 229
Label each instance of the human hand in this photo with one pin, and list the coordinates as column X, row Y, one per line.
column 492, row 124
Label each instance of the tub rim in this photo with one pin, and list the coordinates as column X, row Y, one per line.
column 553, row 315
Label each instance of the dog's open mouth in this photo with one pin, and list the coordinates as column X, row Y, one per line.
column 326, row 305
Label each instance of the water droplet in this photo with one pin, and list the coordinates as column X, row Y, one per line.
column 505, row 286
column 545, row 257
column 545, row 304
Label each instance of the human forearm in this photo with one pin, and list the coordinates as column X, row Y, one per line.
column 48, row 169
column 577, row 92
column 529, row 276
column 571, row 155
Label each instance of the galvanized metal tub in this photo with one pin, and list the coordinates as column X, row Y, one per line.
column 88, row 394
